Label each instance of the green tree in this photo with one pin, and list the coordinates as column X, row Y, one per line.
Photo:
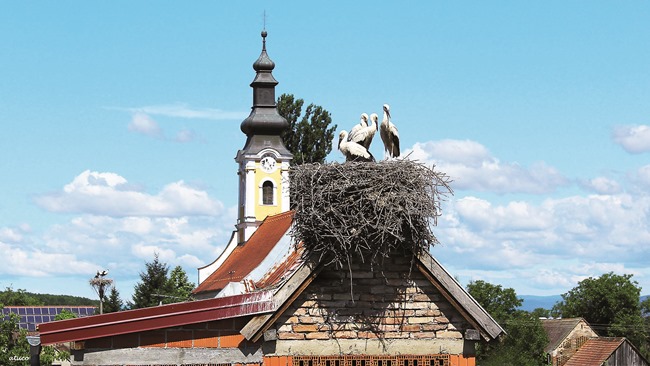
column 13, row 344
column 501, row 303
column 611, row 304
column 310, row 138
column 524, row 343
column 19, row 297
column 541, row 313
column 600, row 300
column 153, row 283
column 113, row 302
column 180, row 284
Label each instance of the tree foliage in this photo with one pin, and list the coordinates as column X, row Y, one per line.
column 180, row 285
column 601, row 300
column 157, row 287
column 20, row 297
column 501, row 303
column 113, row 302
column 524, row 343
column 14, row 348
column 309, row 138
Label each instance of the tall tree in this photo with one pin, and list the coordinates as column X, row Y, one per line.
column 153, row 285
column 524, row 343
column 600, row 300
column 310, row 138
column 113, row 302
column 180, row 284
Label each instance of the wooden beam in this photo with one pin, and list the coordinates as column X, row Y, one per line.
column 458, row 297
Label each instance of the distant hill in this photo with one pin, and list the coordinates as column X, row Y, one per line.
column 48, row 299
column 532, row 302
column 12, row 297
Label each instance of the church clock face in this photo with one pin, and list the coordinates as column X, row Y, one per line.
column 268, row 164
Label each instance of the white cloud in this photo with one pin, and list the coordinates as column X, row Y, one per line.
column 32, row 262
column 472, row 167
column 14, row 234
column 602, row 185
column 109, row 194
column 552, row 245
column 183, row 110
column 144, row 124
column 641, row 178
column 185, row 135
column 633, row 138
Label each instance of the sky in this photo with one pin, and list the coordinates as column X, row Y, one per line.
column 120, row 121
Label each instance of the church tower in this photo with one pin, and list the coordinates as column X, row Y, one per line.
column 264, row 160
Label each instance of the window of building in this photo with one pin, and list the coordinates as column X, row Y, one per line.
column 267, row 193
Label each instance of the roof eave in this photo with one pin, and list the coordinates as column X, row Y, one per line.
column 459, row 297
column 158, row 317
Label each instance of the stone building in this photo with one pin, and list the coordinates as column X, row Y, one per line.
column 265, row 302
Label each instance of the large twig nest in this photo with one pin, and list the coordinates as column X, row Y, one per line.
column 366, row 211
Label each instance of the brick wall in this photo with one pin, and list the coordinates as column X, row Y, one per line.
column 398, row 303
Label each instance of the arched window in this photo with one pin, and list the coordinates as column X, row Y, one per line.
column 267, row 193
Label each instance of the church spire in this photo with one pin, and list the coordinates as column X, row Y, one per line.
column 264, row 118
column 264, row 160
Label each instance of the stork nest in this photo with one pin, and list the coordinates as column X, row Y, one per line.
column 366, row 211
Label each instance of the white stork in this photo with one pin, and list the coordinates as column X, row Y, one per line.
column 364, row 135
column 352, row 150
column 363, row 123
column 389, row 135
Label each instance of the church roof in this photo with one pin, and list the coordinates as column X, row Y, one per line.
column 248, row 256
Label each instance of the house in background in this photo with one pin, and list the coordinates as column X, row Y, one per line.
column 572, row 342
column 565, row 336
column 607, row 352
column 264, row 301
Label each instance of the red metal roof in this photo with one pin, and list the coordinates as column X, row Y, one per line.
column 246, row 257
column 157, row 317
column 594, row 352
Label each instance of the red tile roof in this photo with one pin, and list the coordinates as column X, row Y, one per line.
column 246, row 257
column 595, row 351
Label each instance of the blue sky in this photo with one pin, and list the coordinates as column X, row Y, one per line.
column 120, row 123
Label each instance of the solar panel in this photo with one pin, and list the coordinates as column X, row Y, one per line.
column 30, row 311
column 22, row 311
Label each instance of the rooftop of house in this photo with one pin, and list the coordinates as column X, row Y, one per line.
column 595, row 351
column 557, row 331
